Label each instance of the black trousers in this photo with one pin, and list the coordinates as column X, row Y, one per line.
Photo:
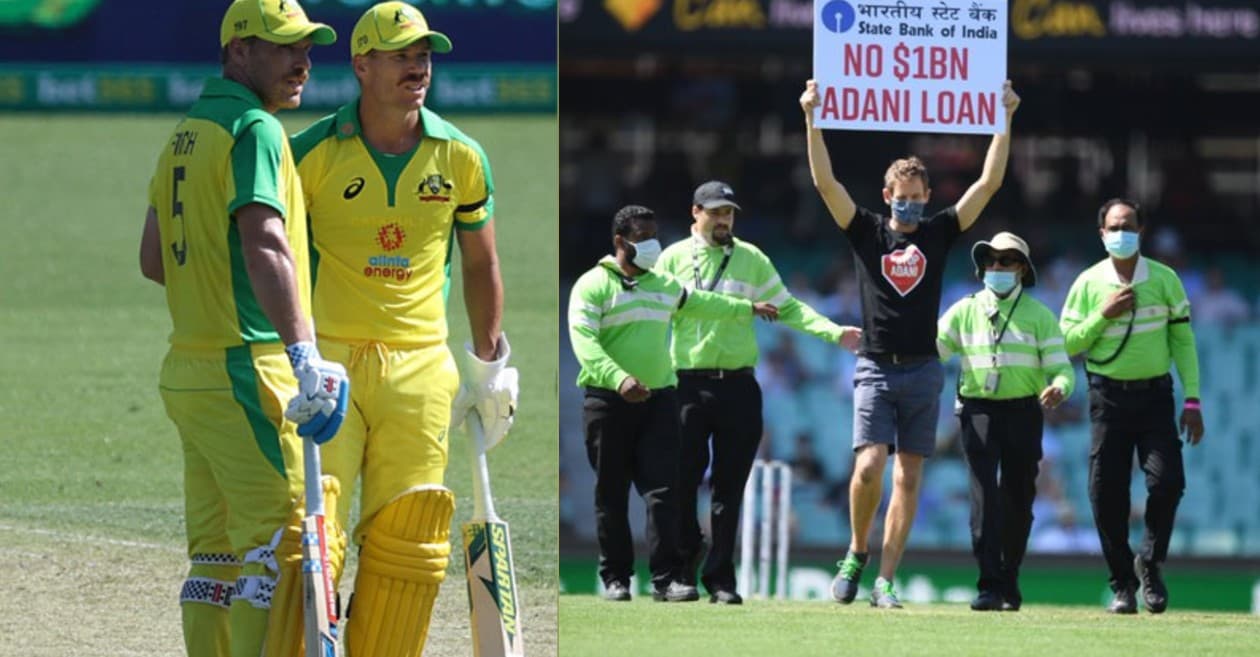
column 728, row 409
column 634, row 444
column 1122, row 421
column 1005, row 436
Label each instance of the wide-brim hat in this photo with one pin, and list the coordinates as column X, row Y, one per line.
column 1004, row 241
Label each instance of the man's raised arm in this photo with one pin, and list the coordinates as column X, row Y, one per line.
column 834, row 195
column 977, row 196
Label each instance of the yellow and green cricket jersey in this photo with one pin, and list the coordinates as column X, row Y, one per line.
column 227, row 152
column 1017, row 336
column 1158, row 328
column 619, row 327
column 382, row 226
column 741, row 271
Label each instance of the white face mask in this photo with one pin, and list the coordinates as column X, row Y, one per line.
column 646, row 253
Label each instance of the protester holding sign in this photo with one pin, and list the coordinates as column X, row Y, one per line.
column 898, row 379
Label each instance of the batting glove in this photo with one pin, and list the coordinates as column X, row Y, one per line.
column 489, row 388
column 323, row 392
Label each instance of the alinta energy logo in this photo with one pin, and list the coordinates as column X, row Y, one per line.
column 390, row 237
column 838, row 16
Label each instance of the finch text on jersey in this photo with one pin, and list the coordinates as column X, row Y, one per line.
column 183, row 142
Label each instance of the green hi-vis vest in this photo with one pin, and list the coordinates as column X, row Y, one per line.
column 621, row 330
column 1160, row 332
column 1029, row 354
column 700, row 343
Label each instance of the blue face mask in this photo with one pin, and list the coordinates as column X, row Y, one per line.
column 1121, row 243
column 908, row 212
column 1001, row 282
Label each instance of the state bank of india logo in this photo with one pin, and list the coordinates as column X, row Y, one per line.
column 389, row 237
column 838, row 16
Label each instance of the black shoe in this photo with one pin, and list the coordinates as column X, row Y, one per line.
column 1012, row 599
column 726, row 597
column 987, row 601
column 616, row 591
column 1154, row 593
column 1124, row 602
column 676, row 592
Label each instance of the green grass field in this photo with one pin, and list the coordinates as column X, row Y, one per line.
column 91, row 505
column 643, row 628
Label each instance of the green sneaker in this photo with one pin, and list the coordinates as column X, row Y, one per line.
column 883, row 595
column 844, row 587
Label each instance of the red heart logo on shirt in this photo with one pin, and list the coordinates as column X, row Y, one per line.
column 904, row 268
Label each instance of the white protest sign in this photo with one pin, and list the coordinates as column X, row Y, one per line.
column 911, row 65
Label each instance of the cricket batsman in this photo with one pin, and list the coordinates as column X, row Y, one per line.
column 225, row 233
column 387, row 183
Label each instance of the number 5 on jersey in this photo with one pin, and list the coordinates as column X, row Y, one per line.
column 180, row 248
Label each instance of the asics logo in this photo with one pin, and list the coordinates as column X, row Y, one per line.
column 353, row 189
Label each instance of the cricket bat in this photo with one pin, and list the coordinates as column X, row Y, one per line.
column 319, row 600
column 494, row 609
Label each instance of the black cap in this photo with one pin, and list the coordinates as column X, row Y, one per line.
column 715, row 194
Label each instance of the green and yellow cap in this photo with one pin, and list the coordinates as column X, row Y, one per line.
column 277, row 21
column 394, row 26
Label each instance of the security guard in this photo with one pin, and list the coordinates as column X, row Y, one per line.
column 1010, row 345
column 1131, row 318
column 619, row 317
column 719, row 398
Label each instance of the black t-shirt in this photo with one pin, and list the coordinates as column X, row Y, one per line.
column 900, row 277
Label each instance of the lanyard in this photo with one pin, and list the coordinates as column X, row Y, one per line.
column 695, row 265
column 1123, row 341
column 997, row 336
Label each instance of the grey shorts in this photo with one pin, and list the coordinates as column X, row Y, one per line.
column 897, row 405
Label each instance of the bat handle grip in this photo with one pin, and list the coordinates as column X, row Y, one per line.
column 311, row 475
column 483, row 501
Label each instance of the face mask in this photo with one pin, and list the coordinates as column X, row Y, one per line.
column 645, row 253
column 908, row 212
column 1001, row 282
column 1120, row 243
